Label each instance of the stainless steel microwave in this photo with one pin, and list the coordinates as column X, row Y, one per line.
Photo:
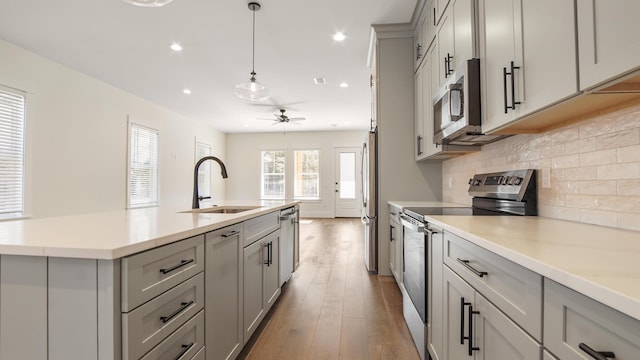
column 457, row 109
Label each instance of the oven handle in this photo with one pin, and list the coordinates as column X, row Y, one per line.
column 406, row 222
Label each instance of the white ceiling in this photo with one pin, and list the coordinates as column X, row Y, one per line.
column 128, row 46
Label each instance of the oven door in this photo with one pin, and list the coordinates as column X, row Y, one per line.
column 415, row 264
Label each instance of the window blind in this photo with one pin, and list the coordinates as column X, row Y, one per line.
column 143, row 166
column 12, row 111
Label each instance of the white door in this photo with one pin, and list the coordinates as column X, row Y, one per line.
column 347, row 182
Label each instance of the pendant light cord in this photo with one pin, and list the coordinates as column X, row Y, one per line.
column 253, row 45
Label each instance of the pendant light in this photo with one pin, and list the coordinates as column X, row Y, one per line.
column 252, row 90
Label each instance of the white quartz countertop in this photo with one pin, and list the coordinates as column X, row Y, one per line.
column 114, row 234
column 412, row 203
column 599, row 262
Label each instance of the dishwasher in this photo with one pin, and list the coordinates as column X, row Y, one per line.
column 289, row 242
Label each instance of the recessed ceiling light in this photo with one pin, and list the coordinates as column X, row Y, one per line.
column 344, row 85
column 320, row 80
column 186, row 91
column 339, row 36
column 176, row 47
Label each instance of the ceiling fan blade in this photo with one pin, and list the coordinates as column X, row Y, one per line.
column 297, row 119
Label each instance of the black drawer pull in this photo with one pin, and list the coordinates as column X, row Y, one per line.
column 231, row 233
column 182, row 263
column 183, row 307
column 185, row 349
column 465, row 263
column 597, row 355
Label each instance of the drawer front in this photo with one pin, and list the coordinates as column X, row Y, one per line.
column 514, row 289
column 184, row 343
column 148, row 274
column 260, row 226
column 146, row 326
column 571, row 318
column 199, row 355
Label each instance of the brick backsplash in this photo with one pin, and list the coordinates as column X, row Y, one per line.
column 587, row 171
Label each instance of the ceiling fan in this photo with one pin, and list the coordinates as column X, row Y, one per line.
column 284, row 119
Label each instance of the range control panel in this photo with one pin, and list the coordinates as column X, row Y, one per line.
column 509, row 184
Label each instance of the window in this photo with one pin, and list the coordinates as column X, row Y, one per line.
column 204, row 172
column 12, row 111
column 143, row 166
column 272, row 186
column 307, row 174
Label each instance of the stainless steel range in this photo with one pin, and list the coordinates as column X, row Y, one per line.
column 500, row 193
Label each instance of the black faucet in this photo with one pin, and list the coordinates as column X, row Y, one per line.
column 195, row 204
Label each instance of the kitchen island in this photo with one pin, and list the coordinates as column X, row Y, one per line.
column 135, row 284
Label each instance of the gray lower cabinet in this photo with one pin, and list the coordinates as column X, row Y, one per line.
column 223, row 309
column 260, row 280
column 576, row 327
column 478, row 330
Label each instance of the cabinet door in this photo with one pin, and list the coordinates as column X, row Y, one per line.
column 446, row 48
column 458, row 296
column 392, row 248
column 435, row 336
column 441, row 6
column 608, row 44
column 549, row 54
column 419, row 112
column 223, row 292
column 497, row 50
column 419, row 46
column 430, row 87
column 271, row 269
column 497, row 337
column 253, row 291
column 464, row 31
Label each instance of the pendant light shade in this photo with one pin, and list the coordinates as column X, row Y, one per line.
column 252, row 90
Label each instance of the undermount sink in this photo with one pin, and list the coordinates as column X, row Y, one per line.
column 223, row 209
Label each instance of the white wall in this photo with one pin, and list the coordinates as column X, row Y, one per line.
column 77, row 139
column 244, row 167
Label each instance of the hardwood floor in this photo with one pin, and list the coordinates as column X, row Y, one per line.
column 332, row 308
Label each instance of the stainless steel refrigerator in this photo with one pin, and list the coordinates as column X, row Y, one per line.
column 370, row 200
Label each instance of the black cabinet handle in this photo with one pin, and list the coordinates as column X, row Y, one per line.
column 465, row 263
column 449, row 67
column 231, row 233
column 504, row 87
column 597, row 355
column 269, row 247
column 183, row 307
column 513, row 86
column 391, row 231
column 505, row 73
column 446, row 67
column 175, row 267
column 418, row 52
column 471, row 348
column 419, row 143
column 462, row 305
column 185, row 349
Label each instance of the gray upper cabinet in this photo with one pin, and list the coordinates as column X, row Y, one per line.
column 223, row 309
column 521, row 58
column 608, row 39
